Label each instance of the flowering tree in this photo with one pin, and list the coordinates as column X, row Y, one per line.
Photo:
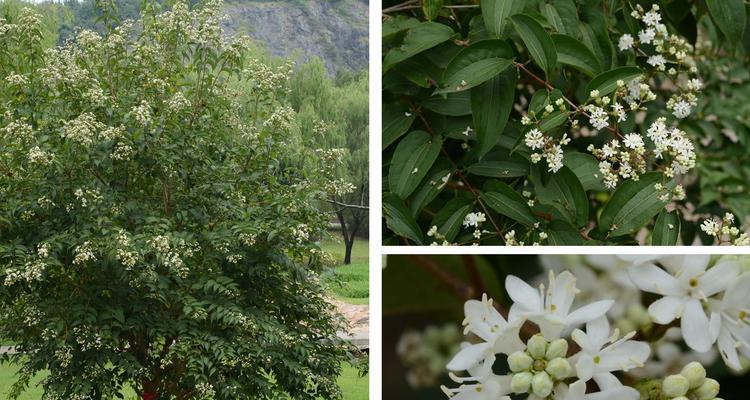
column 562, row 122
column 151, row 232
column 598, row 327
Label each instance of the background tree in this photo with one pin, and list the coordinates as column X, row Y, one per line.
column 151, row 234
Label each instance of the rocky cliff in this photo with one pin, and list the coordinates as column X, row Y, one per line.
column 334, row 30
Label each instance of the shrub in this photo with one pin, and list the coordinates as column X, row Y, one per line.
column 151, row 233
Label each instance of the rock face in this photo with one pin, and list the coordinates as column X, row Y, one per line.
column 334, row 30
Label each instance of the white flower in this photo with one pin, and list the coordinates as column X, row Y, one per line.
column 474, row 219
column 554, row 156
column 657, row 61
column 711, row 227
column 633, row 141
column 734, row 335
column 651, row 18
column 577, row 391
column 681, row 109
column 602, row 353
column 489, row 387
column 550, row 309
column 626, row 42
column 499, row 337
column 684, row 287
column 534, row 139
column 646, row 36
column 598, row 118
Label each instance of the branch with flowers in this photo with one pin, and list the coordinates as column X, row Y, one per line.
column 566, row 123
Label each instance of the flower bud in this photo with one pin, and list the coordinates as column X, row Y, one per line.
column 519, row 361
column 537, row 346
column 695, row 374
column 521, row 382
column 707, row 391
column 541, row 384
column 559, row 368
column 557, row 348
column 675, row 385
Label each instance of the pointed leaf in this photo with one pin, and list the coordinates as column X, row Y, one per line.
column 412, row 159
column 396, row 122
column 491, row 104
column 666, row 229
column 564, row 192
column 729, row 16
column 399, row 220
column 574, row 53
column 537, row 41
column 473, row 75
column 606, row 82
column 633, row 205
column 418, row 39
column 510, row 203
column 449, row 219
column 496, row 12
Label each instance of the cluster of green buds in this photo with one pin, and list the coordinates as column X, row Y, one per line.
column 690, row 384
column 537, row 369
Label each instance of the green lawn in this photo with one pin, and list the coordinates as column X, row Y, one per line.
column 354, row 387
column 349, row 283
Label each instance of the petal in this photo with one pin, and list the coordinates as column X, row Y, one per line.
column 653, row 279
column 606, row 381
column 737, row 295
column 522, row 294
column 585, row 367
column 719, row 277
column 623, row 356
column 620, row 393
column 468, row 357
column 695, row 327
column 589, row 312
column 598, row 332
column 666, row 309
column 583, row 341
column 729, row 352
column 576, row 390
column 686, row 266
column 562, row 293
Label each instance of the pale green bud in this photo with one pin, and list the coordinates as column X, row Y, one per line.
column 556, row 349
column 559, row 368
column 537, row 346
column 680, row 398
column 521, row 382
column 707, row 391
column 695, row 374
column 519, row 361
column 675, row 385
column 541, row 384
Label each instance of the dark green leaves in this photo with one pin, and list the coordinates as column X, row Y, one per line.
column 419, row 38
column 537, row 41
column 633, row 205
column 431, row 8
column 399, row 220
column 666, row 229
column 574, row 53
column 449, row 219
column 474, row 74
column 511, row 168
column 510, row 203
column 412, row 160
column 606, row 82
column 491, row 104
column 563, row 192
column 496, row 12
column 730, row 17
column 396, row 121
column 586, row 168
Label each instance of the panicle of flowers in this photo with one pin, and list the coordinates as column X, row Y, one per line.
column 267, row 79
column 542, row 145
column 38, row 156
column 87, row 196
column 125, row 253
column 16, row 79
column 84, row 253
column 724, row 232
column 17, row 130
column 425, row 353
column 281, row 119
column 122, row 152
column 440, row 239
column 83, row 130
column 475, row 219
column 178, row 103
column 301, row 233
column 142, row 114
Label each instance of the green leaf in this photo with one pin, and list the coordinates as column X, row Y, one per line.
column 512, row 168
column 568, row 13
column 606, row 82
column 431, row 8
column 399, row 23
column 562, row 233
column 730, row 17
column 550, row 12
column 449, row 219
column 563, row 191
column 574, row 53
column 537, row 41
column 412, row 159
column 428, row 191
column 633, row 205
column 473, row 75
column 510, row 203
column 450, row 104
column 418, row 39
column 666, row 229
column 399, row 220
column 495, row 13
column 552, row 121
column 396, row 121
column 491, row 104
column 586, row 168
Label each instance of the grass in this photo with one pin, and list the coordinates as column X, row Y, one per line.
column 349, row 283
column 354, row 387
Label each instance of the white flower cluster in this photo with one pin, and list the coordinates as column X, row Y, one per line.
column 665, row 50
column 88, row 197
column 301, row 233
column 339, row 187
column 723, row 231
column 30, row 271
column 122, row 152
column 16, row 79
column 267, row 79
column 535, row 139
column 83, row 130
column 142, row 114
column 40, row 157
column 125, row 254
column 282, row 119
column 172, row 253
column 17, row 130
column 475, row 219
column 425, row 353
column 541, row 367
column 178, row 103
column 84, row 253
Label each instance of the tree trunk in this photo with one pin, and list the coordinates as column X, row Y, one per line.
column 349, row 242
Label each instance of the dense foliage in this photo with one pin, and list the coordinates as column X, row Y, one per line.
column 152, row 231
column 564, row 122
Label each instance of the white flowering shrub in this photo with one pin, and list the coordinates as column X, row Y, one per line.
column 587, row 327
column 152, row 233
column 554, row 122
